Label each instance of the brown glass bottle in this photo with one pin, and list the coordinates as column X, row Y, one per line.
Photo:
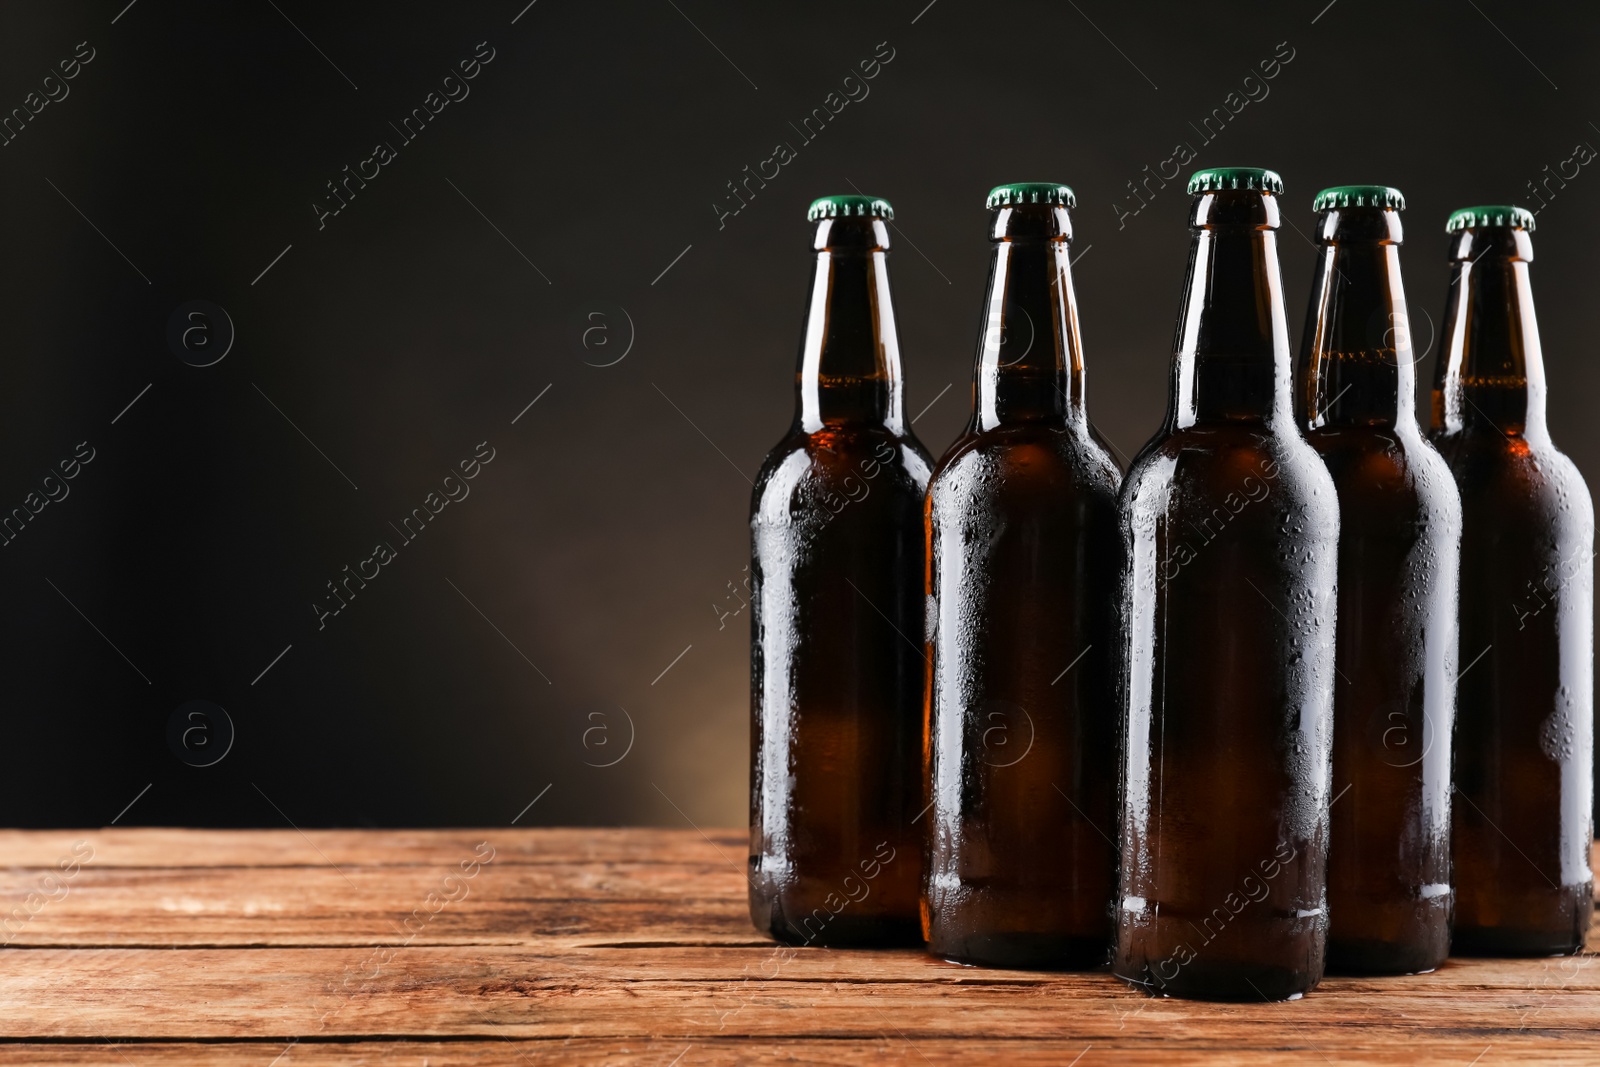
column 1232, row 528
column 837, row 661
column 1399, row 561
column 1522, row 817
column 1024, row 555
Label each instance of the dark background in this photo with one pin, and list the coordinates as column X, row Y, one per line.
column 512, row 645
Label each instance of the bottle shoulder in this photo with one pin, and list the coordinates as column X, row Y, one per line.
column 1208, row 452
column 1028, row 458
column 1387, row 465
column 1508, row 479
column 811, row 471
column 1268, row 479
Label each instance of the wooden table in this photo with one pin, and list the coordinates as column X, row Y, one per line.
column 621, row 947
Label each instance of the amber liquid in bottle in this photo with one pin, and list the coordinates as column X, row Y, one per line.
column 1025, row 553
column 1232, row 527
column 1399, row 553
column 837, row 661
column 1522, row 815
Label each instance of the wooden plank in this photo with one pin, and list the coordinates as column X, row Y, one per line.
column 695, row 993
column 417, row 904
column 1275, row 1048
column 615, row 946
column 696, row 897
column 171, row 847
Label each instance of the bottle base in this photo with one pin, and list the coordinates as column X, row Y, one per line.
column 1226, row 982
column 1358, row 956
column 1023, row 951
column 1509, row 941
column 842, row 931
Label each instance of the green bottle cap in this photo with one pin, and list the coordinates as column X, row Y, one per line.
column 841, row 207
column 1217, row 179
column 1384, row 196
column 1472, row 218
column 1032, row 193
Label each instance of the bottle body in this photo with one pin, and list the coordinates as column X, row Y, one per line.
column 837, row 665
column 1229, row 601
column 1522, row 816
column 1024, row 556
column 1389, row 886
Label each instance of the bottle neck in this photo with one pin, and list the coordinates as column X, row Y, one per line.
column 1491, row 373
column 1030, row 354
column 1231, row 354
column 1357, row 363
column 850, row 354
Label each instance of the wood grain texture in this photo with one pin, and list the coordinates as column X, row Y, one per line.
column 507, row 946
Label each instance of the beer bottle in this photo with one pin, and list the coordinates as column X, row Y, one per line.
column 837, row 659
column 1399, row 558
column 1521, row 816
column 1024, row 553
column 1232, row 529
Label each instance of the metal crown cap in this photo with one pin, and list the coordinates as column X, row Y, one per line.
column 839, row 207
column 1031, row 193
column 1473, row 218
column 1381, row 196
column 1218, row 179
